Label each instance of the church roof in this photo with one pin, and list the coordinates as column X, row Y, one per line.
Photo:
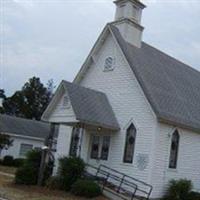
column 23, row 127
column 171, row 87
column 90, row 106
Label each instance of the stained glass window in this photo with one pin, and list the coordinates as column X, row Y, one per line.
column 130, row 144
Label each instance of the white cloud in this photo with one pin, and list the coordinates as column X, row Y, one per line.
column 51, row 38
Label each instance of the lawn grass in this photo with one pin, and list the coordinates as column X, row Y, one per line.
column 8, row 170
column 20, row 192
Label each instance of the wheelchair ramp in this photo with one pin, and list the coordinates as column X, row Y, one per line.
column 117, row 185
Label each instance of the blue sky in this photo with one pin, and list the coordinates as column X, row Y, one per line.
column 51, row 38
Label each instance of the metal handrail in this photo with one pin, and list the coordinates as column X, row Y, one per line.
column 122, row 181
column 125, row 175
column 101, row 170
column 134, row 179
column 128, row 183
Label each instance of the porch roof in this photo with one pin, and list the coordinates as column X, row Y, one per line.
column 91, row 107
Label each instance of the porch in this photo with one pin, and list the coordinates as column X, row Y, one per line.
column 87, row 118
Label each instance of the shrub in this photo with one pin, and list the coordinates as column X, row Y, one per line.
column 28, row 173
column 194, row 196
column 86, row 188
column 70, row 170
column 179, row 190
column 18, row 162
column 8, row 161
column 54, row 183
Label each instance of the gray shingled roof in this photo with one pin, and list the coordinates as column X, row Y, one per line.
column 172, row 88
column 91, row 106
column 23, row 127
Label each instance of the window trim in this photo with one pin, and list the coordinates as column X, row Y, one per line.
column 112, row 66
column 66, row 105
column 125, row 145
column 103, row 137
column 99, row 142
column 75, row 130
column 177, row 151
column 100, row 145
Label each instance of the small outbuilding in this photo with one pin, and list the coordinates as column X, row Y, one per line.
column 26, row 134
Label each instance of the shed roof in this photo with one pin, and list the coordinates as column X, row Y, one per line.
column 24, row 127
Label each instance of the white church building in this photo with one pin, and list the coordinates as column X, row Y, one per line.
column 131, row 107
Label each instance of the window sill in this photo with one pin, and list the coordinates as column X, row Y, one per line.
column 127, row 164
column 172, row 170
column 98, row 160
column 108, row 70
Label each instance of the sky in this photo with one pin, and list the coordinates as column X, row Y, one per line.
column 51, row 39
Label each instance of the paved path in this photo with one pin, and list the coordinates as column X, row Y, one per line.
column 7, row 174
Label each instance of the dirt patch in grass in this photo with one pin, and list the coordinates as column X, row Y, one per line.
column 6, row 169
column 20, row 192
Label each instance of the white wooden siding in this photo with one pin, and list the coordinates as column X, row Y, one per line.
column 14, row 150
column 63, row 143
column 129, row 105
column 188, row 165
column 61, row 113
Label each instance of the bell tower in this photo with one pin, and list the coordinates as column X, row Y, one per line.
column 128, row 20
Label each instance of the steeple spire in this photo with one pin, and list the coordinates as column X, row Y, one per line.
column 128, row 19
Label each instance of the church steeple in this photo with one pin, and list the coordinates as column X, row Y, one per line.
column 128, row 20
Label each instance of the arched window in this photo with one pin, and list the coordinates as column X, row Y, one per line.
column 130, row 144
column 174, row 150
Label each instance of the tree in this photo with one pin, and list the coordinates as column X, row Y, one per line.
column 2, row 94
column 2, row 97
column 31, row 101
column 5, row 142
